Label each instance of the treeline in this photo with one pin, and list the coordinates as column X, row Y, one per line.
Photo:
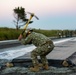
column 10, row 33
column 57, row 33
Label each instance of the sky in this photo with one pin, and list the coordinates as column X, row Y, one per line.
column 52, row 14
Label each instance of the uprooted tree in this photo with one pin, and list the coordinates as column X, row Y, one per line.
column 20, row 17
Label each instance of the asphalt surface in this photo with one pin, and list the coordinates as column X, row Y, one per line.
column 64, row 48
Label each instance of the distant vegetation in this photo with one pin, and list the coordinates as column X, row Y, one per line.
column 10, row 33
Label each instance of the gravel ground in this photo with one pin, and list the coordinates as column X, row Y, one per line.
column 51, row 71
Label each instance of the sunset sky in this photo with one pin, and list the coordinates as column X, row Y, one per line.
column 53, row 14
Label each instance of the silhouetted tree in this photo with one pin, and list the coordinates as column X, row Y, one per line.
column 20, row 17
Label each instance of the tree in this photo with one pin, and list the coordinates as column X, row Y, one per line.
column 20, row 17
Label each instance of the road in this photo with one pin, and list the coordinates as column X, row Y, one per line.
column 64, row 48
column 12, row 48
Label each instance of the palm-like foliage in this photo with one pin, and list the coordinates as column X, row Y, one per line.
column 20, row 17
